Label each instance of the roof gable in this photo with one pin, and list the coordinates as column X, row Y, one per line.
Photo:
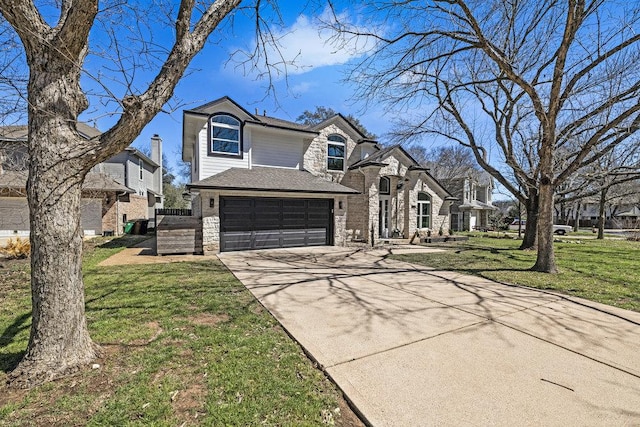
column 224, row 104
column 343, row 123
column 379, row 156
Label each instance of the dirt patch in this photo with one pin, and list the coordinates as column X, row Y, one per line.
column 347, row 417
column 97, row 383
column 189, row 403
column 207, row 319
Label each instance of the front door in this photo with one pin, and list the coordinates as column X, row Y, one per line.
column 383, row 217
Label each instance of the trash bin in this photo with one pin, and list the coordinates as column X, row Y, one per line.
column 137, row 224
column 128, row 227
column 144, row 226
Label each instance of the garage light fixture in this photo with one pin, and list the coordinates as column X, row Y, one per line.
column 212, row 202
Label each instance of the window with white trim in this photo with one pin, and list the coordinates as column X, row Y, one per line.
column 140, row 169
column 424, row 210
column 224, row 136
column 336, row 147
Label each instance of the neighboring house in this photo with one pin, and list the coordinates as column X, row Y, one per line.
column 629, row 218
column 473, row 206
column 142, row 175
column 617, row 215
column 263, row 182
column 126, row 186
column 98, row 191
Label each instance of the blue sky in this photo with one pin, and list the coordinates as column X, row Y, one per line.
column 318, row 79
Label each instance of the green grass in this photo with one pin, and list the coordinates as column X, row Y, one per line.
column 605, row 271
column 182, row 343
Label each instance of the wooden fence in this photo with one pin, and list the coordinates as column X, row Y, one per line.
column 178, row 234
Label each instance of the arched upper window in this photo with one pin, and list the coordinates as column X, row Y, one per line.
column 385, row 185
column 424, row 210
column 336, row 147
column 225, row 135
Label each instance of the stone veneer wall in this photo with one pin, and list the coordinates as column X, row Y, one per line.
column 315, row 154
column 356, row 218
column 210, row 221
column 439, row 214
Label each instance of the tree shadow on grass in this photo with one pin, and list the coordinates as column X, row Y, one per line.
column 8, row 361
column 124, row 241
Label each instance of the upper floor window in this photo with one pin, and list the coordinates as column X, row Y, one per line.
column 424, row 210
column 336, row 147
column 140, row 169
column 224, row 136
column 385, row 185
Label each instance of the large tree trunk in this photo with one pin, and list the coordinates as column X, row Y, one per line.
column 601, row 213
column 59, row 340
column 545, row 261
column 530, row 239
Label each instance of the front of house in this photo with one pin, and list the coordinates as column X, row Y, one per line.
column 262, row 182
column 473, row 206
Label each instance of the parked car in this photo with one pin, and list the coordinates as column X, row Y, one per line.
column 515, row 224
column 557, row 228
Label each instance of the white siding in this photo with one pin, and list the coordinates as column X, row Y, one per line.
column 212, row 165
column 276, row 150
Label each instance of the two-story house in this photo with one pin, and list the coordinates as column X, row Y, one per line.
column 473, row 204
column 126, row 186
column 263, row 182
column 141, row 174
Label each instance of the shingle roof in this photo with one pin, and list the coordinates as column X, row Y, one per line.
column 475, row 204
column 375, row 158
column 271, row 179
column 280, row 123
column 19, row 132
column 93, row 181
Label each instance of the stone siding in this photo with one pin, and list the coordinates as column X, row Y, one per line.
column 315, row 154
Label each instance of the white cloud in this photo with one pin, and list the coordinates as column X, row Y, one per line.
column 302, row 87
column 308, row 44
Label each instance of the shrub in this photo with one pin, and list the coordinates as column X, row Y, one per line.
column 18, row 248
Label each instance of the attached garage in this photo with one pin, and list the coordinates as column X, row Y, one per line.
column 264, row 208
column 269, row 222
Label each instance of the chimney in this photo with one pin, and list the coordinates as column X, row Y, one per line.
column 156, row 156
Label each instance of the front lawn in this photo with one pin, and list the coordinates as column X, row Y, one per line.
column 607, row 271
column 183, row 344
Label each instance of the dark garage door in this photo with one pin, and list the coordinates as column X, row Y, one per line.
column 265, row 222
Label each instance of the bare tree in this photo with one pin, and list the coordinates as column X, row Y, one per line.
column 320, row 114
column 518, row 78
column 447, row 162
column 612, row 179
column 56, row 48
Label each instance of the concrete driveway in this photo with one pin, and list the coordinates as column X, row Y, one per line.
column 412, row 346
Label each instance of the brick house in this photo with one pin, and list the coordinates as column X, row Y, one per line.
column 262, row 182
